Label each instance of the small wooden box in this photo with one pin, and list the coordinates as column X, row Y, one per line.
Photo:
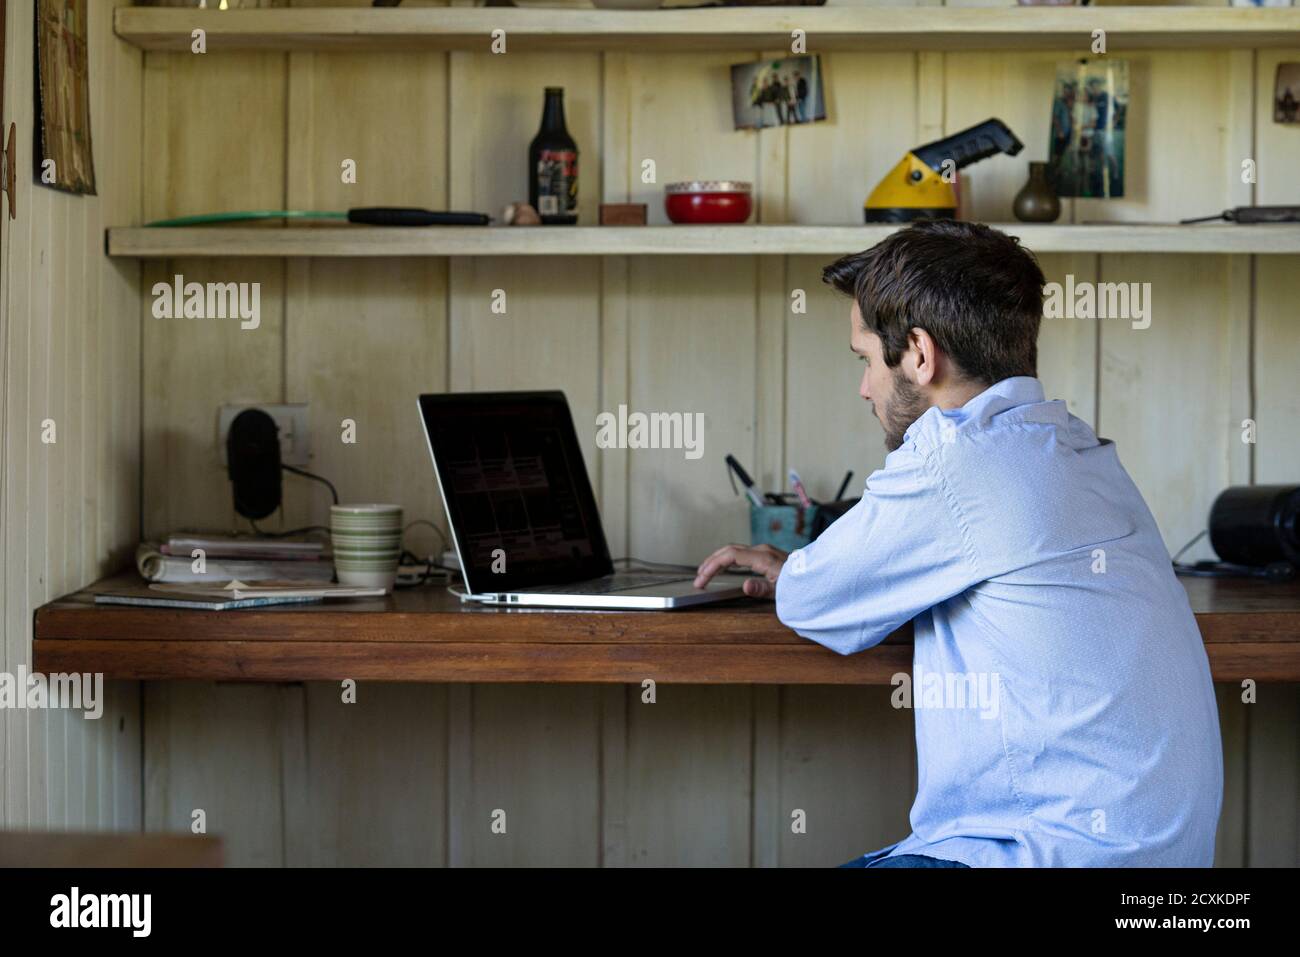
column 622, row 214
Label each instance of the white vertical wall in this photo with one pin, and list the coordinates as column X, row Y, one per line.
column 69, row 510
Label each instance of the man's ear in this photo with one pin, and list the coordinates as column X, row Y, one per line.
column 926, row 356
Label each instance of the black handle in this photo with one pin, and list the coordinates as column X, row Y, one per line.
column 409, row 216
column 1263, row 214
column 970, row 145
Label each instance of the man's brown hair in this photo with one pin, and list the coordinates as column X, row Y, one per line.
column 976, row 290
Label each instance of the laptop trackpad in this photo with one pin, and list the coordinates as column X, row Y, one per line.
column 686, row 586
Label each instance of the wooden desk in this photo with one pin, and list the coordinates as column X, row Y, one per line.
column 58, row 849
column 1251, row 630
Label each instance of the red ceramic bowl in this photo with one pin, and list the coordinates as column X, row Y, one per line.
column 708, row 201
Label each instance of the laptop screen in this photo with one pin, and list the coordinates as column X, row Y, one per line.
column 516, row 489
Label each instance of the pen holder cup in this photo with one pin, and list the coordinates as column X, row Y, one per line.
column 786, row 527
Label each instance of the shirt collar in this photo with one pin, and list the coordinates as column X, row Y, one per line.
column 999, row 397
column 1008, row 393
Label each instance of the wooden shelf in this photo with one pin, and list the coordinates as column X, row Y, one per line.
column 766, row 28
column 1251, row 629
column 361, row 241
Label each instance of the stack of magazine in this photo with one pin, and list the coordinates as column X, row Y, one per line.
column 216, row 572
column 195, row 557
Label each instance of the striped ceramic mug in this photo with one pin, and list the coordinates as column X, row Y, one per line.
column 367, row 543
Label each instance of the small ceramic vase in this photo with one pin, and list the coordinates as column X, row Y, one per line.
column 1036, row 202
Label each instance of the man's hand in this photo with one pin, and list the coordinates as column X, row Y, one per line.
column 764, row 559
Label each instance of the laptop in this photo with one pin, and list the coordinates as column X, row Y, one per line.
column 522, row 514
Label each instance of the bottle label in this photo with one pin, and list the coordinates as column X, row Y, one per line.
column 557, row 182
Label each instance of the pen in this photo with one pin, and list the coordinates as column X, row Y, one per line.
column 745, row 480
column 799, row 490
column 844, row 486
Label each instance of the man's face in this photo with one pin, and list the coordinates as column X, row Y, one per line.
column 895, row 401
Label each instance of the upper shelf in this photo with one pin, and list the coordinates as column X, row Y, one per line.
column 359, row 241
column 750, row 28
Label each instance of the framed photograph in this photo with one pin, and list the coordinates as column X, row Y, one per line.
column 777, row 92
column 1089, row 109
column 63, row 97
column 1286, row 93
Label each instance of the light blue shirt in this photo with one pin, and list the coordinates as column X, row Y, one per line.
column 1065, row 714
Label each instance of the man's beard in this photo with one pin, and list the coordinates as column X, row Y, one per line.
column 904, row 407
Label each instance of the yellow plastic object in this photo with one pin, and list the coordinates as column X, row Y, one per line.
column 912, row 185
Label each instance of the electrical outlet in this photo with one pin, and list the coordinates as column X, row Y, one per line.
column 291, row 420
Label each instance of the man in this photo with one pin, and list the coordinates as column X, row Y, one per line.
column 1064, row 154
column 1065, row 714
column 799, row 102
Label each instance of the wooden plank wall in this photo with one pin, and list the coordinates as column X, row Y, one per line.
column 587, row 775
column 70, row 335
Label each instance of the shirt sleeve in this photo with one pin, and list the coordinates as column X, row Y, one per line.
column 901, row 550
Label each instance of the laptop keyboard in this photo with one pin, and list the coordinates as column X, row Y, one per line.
column 610, row 583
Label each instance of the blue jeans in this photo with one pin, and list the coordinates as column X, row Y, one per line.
column 903, row 860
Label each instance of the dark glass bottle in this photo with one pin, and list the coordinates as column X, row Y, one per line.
column 553, row 165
